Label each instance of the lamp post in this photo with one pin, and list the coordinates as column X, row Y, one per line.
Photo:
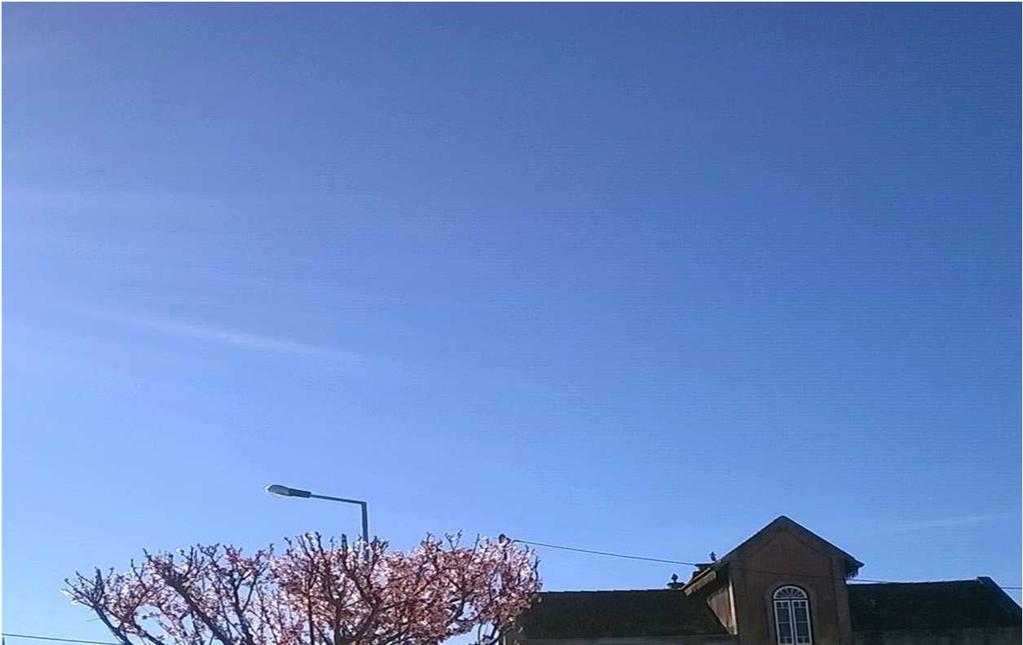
column 287, row 491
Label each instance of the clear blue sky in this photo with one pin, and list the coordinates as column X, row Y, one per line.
column 634, row 278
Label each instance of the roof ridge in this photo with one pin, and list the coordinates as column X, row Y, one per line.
column 594, row 591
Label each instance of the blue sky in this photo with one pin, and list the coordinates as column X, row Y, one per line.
column 633, row 278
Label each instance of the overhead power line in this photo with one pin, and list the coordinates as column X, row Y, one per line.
column 604, row 553
column 56, row 639
column 626, row 556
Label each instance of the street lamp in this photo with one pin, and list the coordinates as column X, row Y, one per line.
column 287, row 491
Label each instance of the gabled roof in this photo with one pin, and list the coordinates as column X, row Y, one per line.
column 781, row 523
column 956, row 604
column 609, row 614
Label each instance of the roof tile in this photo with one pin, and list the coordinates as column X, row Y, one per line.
column 608, row 614
column 957, row 604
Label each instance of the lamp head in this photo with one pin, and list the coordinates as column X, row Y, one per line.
column 286, row 491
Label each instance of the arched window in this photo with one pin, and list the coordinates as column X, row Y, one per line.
column 792, row 616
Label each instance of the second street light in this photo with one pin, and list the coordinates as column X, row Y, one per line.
column 287, row 491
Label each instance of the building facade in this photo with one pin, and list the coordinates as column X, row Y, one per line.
column 783, row 586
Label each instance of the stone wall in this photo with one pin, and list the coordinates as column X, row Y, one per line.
column 992, row 636
column 672, row 640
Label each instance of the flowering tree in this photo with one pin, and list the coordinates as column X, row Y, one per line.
column 315, row 592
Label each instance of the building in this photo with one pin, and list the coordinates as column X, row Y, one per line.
column 783, row 586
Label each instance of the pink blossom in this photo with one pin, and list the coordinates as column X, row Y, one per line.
column 316, row 591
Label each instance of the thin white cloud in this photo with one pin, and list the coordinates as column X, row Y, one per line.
column 234, row 338
column 241, row 339
column 944, row 522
